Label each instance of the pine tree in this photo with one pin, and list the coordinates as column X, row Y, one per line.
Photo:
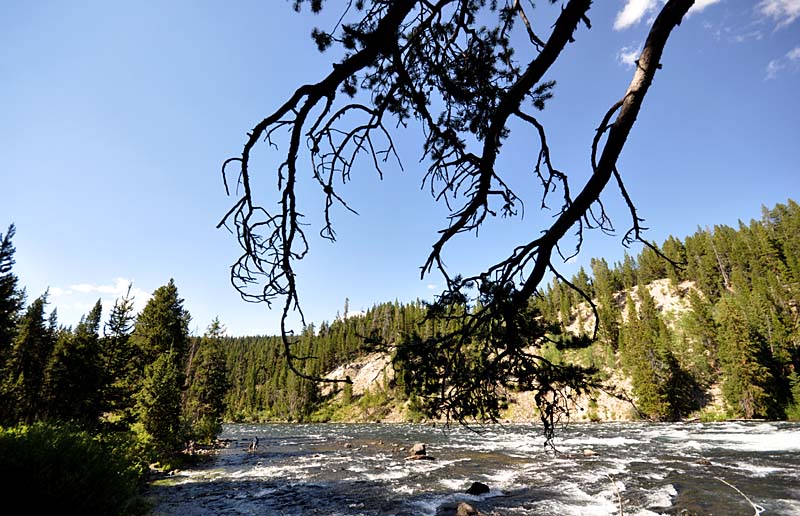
column 702, row 265
column 608, row 311
column 163, row 325
column 636, row 349
column 628, row 271
column 702, row 330
column 675, row 251
column 74, row 376
column 160, row 338
column 651, row 266
column 23, row 386
column 582, row 282
column 208, row 385
column 117, row 356
column 12, row 300
column 662, row 389
column 158, row 404
column 746, row 378
column 793, row 411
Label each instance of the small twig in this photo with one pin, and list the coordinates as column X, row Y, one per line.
column 755, row 507
column 538, row 43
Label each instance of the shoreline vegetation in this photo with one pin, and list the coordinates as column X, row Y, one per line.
column 712, row 335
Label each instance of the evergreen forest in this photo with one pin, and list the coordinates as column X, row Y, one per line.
column 135, row 388
column 738, row 333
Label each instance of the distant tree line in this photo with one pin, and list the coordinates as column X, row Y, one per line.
column 741, row 331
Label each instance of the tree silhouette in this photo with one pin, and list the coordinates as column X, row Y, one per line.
column 449, row 66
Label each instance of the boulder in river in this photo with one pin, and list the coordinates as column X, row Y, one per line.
column 458, row 509
column 418, row 449
column 418, row 452
column 477, row 488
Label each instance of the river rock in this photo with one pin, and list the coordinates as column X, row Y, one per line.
column 418, row 452
column 418, row 449
column 477, row 488
column 458, row 509
column 588, row 452
column 420, row 457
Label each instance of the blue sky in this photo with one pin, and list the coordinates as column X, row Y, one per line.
column 116, row 117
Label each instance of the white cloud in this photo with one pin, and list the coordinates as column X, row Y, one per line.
column 83, row 288
column 119, row 287
column 75, row 301
column 700, row 5
column 84, row 295
column 431, row 286
column 78, row 308
column 773, row 67
column 628, row 55
column 790, row 61
column 59, row 292
column 633, row 12
column 744, row 37
column 782, row 12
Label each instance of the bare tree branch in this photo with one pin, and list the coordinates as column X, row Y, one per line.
column 434, row 64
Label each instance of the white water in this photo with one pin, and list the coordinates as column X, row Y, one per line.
column 354, row 470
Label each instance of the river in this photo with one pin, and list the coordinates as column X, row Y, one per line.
column 726, row 468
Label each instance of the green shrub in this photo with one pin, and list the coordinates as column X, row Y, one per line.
column 712, row 415
column 60, row 468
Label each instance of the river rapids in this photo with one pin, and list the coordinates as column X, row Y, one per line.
column 640, row 469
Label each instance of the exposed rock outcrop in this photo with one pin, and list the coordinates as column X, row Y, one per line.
column 364, row 372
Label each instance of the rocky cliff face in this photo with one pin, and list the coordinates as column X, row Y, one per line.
column 366, row 373
column 372, row 372
column 671, row 301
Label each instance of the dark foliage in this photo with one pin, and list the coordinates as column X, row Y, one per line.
column 50, row 469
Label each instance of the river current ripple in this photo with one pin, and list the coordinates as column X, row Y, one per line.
column 359, row 470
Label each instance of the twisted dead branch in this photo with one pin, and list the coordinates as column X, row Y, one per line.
column 433, row 64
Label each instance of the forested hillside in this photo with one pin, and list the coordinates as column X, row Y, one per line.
column 263, row 388
column 739, row 331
